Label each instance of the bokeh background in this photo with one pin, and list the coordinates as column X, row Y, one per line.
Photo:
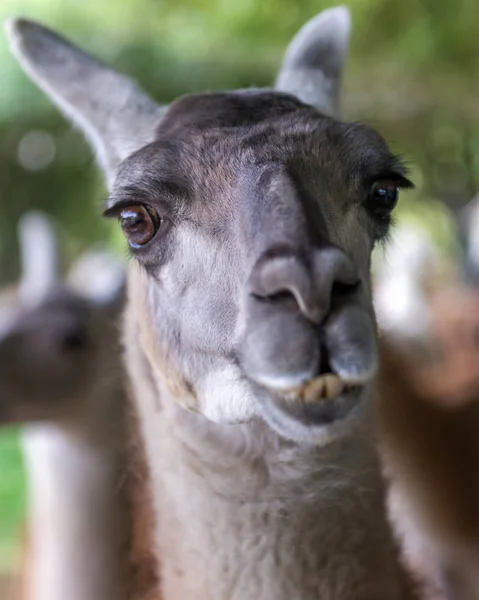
column 413, row 73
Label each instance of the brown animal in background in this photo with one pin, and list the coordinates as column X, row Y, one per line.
column 428, row 411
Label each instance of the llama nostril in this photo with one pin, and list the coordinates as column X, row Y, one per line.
column 342, row 289
column 284, row 297
column 287, row 279
column 284, row 280
column 335, row 276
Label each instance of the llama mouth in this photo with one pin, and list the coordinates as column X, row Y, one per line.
column 314, row 411
column 324, row 388
column 321, row 401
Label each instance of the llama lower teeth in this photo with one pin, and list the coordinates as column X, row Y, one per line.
column 334, row 386
column 325, row 387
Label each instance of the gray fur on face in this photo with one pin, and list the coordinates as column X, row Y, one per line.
column 260, row 268
column 260, row 196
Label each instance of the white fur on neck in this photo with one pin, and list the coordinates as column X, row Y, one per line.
column 71, row 516
column 241, row 513
column 221, row 389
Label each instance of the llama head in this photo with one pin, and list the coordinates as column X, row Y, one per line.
column 251, row 216
column 58, row 340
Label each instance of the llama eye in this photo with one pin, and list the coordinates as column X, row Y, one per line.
column 139, row 224
column 383, row 197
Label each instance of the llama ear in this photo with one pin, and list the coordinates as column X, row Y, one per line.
column 313, row 64
column 38, row 242
column 115, row 114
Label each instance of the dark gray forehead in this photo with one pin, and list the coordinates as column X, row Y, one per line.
column 201, row 112
column 206, row 131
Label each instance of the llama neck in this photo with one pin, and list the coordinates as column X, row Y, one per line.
column 240, row 513
column 73, row 543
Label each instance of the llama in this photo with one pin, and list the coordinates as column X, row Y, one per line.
column 249, row 333
column 428, row 412
column 60, row 378
column 428, row 415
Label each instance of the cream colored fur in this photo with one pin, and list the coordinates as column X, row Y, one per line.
column 241, row 513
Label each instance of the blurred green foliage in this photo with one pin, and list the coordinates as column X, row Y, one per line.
column 12, row 498
column 413, row 73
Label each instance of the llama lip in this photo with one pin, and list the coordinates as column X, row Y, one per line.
column 314, row 413
column 324, row 388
